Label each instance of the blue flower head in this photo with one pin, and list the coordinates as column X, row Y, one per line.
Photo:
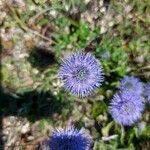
column 131, row 84
column 81, row 73
column 147, row 91
column 126, row 107
column 69, row 139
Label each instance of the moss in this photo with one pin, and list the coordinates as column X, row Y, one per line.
column 98, row 108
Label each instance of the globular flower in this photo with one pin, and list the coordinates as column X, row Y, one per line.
column 126, row 107
column 69, row 139
column 147, row 91
column 132, row 84
column 81, row 73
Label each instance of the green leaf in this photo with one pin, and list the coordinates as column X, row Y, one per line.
column 146, row 132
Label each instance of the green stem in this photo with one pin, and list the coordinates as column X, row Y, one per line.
column 122, row 134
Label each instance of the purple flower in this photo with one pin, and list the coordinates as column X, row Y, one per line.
column 69, row 139
column 81, row 73
column 126, row 107
column 147, row 91
column 131, row 84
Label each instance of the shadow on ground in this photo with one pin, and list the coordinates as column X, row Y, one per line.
column 32, row 104
column 41, row 58
column 1, row 125
column 1, row 141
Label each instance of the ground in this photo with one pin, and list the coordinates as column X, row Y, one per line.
column 36, row 35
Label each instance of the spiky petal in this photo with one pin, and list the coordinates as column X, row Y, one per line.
column 132, row 84
column 126, row 107
column 147, row 91
column 81, row 73
column 69, row 139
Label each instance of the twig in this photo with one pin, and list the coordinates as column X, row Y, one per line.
column 19, row 145
column 145, row 67
column 40, row 35
column 141, row 68
column 44, row 11
column 25, row 28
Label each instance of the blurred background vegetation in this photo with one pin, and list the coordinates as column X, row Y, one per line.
column 37, row 34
